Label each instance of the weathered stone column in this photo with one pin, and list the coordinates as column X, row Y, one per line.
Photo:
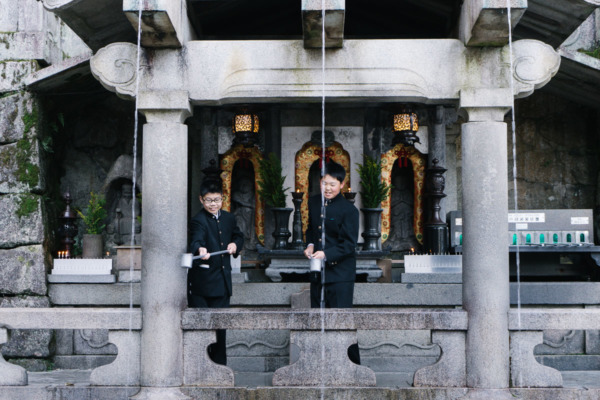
column 485, row 227
column 164, row 239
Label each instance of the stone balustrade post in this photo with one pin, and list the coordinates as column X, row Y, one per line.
column 485, row 229
column 164, row 239
column 10, row 374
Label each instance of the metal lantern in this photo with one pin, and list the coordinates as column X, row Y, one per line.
column 245, row 128
column 405, row 126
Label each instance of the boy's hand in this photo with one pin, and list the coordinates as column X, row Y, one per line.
column 309, row 250
column 203, row 252
column 232, row 248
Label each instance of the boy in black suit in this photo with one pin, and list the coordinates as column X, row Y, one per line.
column 209, row 279
column 339, row 251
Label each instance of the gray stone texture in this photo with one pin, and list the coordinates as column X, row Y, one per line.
column 328, row 319
column 10, row 374
column 80, row 362
column 198, row 367
column 12, row 113
column 525, row 371
column 554, row 318
column 450, row 370
column 26, row 343
column 570, row 362
column 562, row 342
column 20, row 153
column 12, row 73
column 72, row 318
column 92, row 341
column 125, row 369
column 164, row 240
column 554, row 171
column 22, row 271
column 20, row 230
column 323, row 361
column 263, row 343
column 109, row 278
column 485, row 259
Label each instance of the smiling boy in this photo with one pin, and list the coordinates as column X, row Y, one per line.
column 339, row 249
column 209, row 279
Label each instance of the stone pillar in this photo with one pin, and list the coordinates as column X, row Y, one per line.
column 485, row 227
column 164, row 239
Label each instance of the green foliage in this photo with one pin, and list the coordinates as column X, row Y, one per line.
column 94, row 216
column 28, row 204
column 374, row 191
column 270, row 185
column 48, row 142
column 30, row 120
column 27, row 172
column 593, row 51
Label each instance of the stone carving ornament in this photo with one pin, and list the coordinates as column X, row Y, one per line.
column 114, row 67
column 534, row 63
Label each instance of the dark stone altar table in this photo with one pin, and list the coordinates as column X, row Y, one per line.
column 294, row 265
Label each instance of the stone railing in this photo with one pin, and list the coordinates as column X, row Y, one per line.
column 124, row 327
column 323, row 338
column 526, row 331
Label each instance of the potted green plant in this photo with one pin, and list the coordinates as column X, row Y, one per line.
column 272, row 192
column 94, row 220
column 373, row 192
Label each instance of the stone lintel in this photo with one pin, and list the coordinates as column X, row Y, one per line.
column 330, row 319
column 554, row 318
column 70, row 318
column 164, row 22
column 485, row 22
column 96, row 23
column 483, row 104
column 312, row 24
column 165, row 106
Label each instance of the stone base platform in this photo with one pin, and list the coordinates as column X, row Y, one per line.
column 74, row 385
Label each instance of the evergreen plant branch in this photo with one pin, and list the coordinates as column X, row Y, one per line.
column 374, row 191
column 270, row 185
column 94, row 215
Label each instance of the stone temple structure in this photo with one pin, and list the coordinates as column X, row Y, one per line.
column 73, row 81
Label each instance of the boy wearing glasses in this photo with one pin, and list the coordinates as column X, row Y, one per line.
column 209, row 279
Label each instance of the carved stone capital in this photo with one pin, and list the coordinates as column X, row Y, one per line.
column 484, row 104
column 114, row 66
column 534, row 64
column 164, row 105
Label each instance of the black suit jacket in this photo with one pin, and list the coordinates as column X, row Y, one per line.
column 341, row 235
column 214, row 234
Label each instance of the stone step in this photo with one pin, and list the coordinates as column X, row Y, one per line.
column 571, row 362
